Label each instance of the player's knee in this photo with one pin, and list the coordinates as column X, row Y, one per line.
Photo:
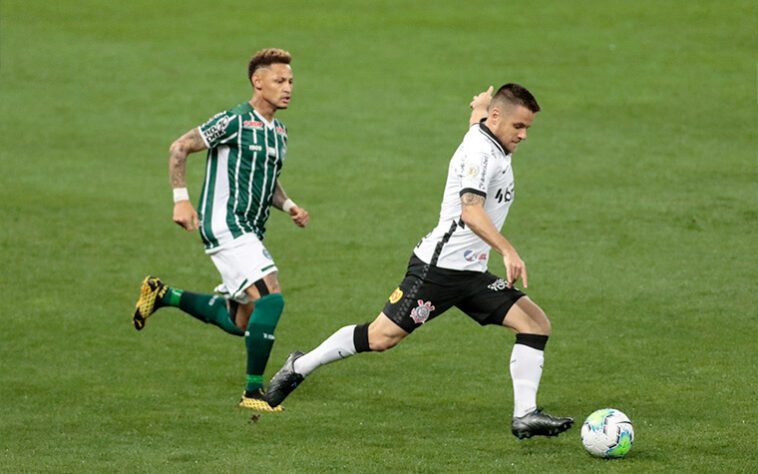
column 384, row 334
column 382, row 342
column 539, row 322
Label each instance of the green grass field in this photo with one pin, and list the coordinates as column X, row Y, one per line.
column 635, row 212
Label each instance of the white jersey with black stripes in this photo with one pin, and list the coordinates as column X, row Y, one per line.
column 481, row 166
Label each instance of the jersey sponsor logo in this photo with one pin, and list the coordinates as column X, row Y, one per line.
column 255, row 148
column 498, row 285
column 396, row 295
column 506, row 196
column 470, row 256
column 421, row 313
column 252, row 124
column 216, row 130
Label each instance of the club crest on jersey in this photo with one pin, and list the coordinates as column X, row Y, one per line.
column 498, row 285
column 396, row 295
column 420, row 313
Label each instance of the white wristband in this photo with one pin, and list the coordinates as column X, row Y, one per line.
column 181, row 194
column 288, row 204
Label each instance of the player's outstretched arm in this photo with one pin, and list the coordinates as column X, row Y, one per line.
column 280, row 201
column 474, row 216
column 184, row 213
column 479, row 106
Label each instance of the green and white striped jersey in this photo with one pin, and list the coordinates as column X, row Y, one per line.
column 245, row 157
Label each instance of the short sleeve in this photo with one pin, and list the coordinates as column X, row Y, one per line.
column 476, row 173
column 220, row 128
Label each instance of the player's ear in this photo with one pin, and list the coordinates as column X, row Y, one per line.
column 495, row 112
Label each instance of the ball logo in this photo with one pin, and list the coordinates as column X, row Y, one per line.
column 396, row 295
column 421, row 313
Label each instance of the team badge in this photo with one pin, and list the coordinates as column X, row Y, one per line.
column 396, row 295
column 421, row 312
column 267, row 254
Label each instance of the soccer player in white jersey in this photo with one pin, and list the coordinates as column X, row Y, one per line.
column 449, row 266
column 246, row 150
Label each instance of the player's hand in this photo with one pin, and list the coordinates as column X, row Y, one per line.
column 299, row 216
column 515, row 268
column 482, row 100
column 185, row 215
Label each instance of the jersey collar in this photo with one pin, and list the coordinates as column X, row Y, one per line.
column 269, row 125
column 488, row 133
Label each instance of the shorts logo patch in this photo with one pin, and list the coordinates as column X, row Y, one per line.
column 421, row 313
column 396, row 295
column 267, row 254
column 498, row 285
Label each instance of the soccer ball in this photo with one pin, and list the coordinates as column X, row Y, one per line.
column 607, row 433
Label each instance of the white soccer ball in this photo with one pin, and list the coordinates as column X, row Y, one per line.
column 607, row 433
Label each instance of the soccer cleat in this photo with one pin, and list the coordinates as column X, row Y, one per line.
column 284, row 381
column 537, row 423
column 149, row 300
column 256, row 401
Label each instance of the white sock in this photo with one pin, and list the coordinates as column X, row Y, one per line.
column 337, row 346
column 526, row 371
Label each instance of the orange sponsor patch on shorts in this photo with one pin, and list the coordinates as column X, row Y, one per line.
column 396, row 295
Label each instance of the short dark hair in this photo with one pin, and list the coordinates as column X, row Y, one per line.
column 515, row 94
column 267, row 57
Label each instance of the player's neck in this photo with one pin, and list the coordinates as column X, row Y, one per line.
column 263, row 107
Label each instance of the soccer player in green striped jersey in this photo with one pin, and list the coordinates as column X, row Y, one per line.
column 246, row 147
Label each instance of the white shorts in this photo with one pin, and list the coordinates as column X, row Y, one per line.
column 241, row 263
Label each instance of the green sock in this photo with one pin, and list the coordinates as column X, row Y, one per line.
column 207, row 308
column 259, row 338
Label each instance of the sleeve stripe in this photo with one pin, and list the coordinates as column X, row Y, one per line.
column 202, row 135
column 473, row 191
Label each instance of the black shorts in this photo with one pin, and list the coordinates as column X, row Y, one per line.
column 428, row 291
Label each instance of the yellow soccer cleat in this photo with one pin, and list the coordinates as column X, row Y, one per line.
column 149, row 300
column 255, row 401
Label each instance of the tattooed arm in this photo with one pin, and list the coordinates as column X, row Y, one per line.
column 184, row 213
column 474, row 216
column 299, row 215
